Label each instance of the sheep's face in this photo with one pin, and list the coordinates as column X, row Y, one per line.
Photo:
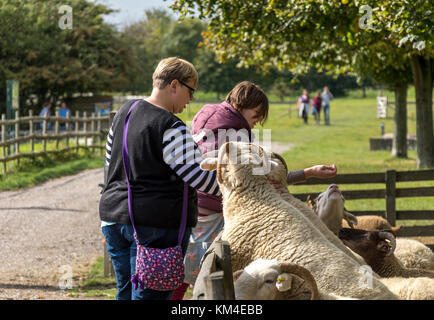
column 261, row 280
column 330, row 200
column 371, row 245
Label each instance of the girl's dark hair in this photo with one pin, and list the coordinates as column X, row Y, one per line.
column 247, row 95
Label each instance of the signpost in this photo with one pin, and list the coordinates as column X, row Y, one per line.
column 381, row 107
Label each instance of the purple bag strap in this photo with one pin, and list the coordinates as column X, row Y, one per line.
column 126, row 162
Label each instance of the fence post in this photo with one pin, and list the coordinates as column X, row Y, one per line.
column 77, row 115
column 391, row 196
column 56, row 129
column 214, row 286
column 67, row 126
column 85, row 128
column 98, row 129
column 44, row 133
column 3, row 140
column 32, row 141
column 17, row 135
column 223, row 252
column 92, row 129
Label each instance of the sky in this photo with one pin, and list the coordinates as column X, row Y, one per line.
column 131, row 10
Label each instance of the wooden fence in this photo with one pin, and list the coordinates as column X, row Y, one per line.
column 24, row 130
column 390, row 193
column 215, row 280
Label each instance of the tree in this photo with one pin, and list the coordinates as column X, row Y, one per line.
column 53, row 63
column 183, row 39
column 145, row 38
column 297, row 35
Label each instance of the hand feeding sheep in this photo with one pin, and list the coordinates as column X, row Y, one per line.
column 376, row 248
column 260, row 224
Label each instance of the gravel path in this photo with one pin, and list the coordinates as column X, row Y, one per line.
column 47, row 232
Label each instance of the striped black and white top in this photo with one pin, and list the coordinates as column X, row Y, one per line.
column 183, row 156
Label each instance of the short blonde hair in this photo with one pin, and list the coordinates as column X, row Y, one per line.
column 173, row 68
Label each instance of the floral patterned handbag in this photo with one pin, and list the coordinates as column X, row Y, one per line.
column 156, row 269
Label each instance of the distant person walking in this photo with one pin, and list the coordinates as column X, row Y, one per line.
column 45, row 113
column 326, row 97
column 316, row 107
column 64, row 112
column 303, row 105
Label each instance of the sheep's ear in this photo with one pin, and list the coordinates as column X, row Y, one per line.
column 237, row 274
column 209, row 164
column 350, row 218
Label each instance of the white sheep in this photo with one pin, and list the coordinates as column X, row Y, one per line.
column 268, row 279
column 277, row 175
column 260, row 224
column 414, row 254
column 377, row 248
column 411, row 288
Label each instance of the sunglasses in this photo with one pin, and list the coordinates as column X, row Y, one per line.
column 191, row 90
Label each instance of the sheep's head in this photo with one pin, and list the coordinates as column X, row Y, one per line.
column 330, row 207
column 373, row 246
column 236, row 160
column 329, row 200
column 264, row 279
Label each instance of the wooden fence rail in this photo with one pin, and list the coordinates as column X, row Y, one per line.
column 390, row 193
column 22, row 130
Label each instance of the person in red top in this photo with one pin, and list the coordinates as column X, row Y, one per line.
column 245, row 106
column 316, row 110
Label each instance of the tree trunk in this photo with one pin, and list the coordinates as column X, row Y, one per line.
column 399, row 148
column 423, row 80
column 363, row 92
column 218, row 96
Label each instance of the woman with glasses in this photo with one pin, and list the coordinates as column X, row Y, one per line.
column 163, row 156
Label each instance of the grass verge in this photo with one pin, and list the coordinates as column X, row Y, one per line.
column 94, row 284
column 31, row 172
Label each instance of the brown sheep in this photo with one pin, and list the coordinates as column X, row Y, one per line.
column 377, row 248
column 372, row 223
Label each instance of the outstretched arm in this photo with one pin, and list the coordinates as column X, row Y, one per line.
column 319, row 171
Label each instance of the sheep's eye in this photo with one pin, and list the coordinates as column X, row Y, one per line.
column 269, row 281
